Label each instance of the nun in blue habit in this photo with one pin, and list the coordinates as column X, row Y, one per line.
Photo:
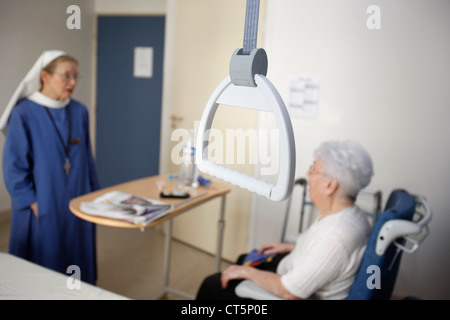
column 47, row 161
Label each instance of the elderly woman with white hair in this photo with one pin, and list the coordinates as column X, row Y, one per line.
column 323, row 262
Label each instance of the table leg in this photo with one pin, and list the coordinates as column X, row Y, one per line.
column 167, row 252
column 166, row 267
column 221, row 227
column 166, row 260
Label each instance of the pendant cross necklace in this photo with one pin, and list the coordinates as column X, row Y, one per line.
column 67, row 164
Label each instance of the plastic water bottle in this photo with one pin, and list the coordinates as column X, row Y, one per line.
column 189, row 172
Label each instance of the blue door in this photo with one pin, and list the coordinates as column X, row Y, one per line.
column 129, row 97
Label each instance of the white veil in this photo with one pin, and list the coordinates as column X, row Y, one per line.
column 29, row 85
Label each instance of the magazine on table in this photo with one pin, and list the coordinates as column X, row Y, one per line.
column 128, row 207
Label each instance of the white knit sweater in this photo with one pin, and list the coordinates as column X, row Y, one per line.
column 327, row 256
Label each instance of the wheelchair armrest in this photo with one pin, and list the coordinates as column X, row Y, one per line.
column 248, row 289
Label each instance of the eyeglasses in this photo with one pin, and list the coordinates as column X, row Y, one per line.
column 66, row 77
column 312, row 170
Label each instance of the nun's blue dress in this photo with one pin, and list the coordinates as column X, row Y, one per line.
column 33, row 170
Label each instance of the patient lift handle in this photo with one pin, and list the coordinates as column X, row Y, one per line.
column 247, row 87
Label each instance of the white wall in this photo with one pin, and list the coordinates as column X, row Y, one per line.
column 27, row 28
column 389, row 90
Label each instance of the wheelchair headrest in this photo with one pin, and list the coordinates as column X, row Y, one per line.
column 397, row 222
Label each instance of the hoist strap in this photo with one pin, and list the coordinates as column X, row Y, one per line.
column 251, row 26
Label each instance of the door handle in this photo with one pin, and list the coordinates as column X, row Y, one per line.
column 175, row 120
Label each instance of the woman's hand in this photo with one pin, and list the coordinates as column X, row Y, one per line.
column 34, row 208
column 276, row 248
column 267, row 280
column 234, row 272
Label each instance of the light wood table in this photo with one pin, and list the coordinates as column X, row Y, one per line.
column 147, row 187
